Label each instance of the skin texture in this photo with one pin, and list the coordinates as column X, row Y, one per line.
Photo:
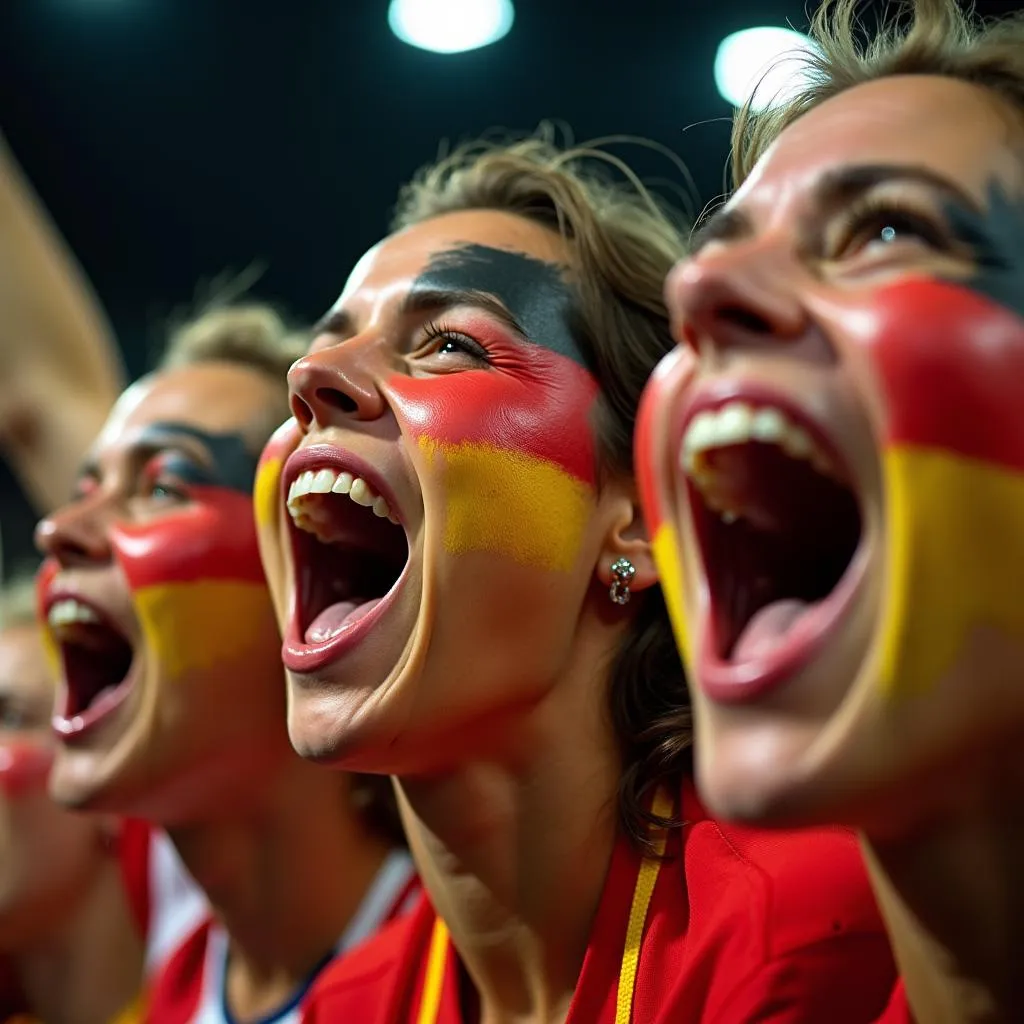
column 501, row 630
column 156, row 540
column 902, row 350
column 64, row 920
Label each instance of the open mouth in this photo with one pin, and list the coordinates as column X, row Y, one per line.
column 97, row 660
column 778, row 526
column 349, row 551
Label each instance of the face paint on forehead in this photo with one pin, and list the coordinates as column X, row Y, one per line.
column 996, row 237
column 234, row 465
column 534, row 291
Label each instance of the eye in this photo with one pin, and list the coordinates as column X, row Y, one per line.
column 440, row 340
column 12, row 716
column 877, row 226
column 157, row 483
column 84, row 486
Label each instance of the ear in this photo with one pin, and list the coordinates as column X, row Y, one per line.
column 626, row 537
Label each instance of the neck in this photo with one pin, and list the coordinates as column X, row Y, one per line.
column 514, row 846
column 90, row 970
column 952, row 894
column 283, row 880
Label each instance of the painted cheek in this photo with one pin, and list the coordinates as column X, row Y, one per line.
column 44, row 580
column 24, row 767
column 949, row 364
column 270, row 510
column 197, row 582
column 517, row 452
column 656, row 469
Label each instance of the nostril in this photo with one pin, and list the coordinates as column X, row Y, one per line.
column 336, row 399
column 302, row 412
column 741, row 316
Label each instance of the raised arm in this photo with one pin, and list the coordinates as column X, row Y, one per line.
column 61, row 370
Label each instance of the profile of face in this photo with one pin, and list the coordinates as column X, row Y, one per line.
column 432, row 528
column 833, row 461
column 48, row 855
column 171, row 696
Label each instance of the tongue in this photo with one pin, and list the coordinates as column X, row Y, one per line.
column 336, row 617
column 767, row 628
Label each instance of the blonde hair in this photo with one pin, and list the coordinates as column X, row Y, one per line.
column 623, row 241
column 248, row 334
column 939, row 38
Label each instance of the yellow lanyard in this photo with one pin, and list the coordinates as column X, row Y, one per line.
column 646, row 878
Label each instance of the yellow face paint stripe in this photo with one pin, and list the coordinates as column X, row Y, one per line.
column 516, row 505
column 265, row 492
column 198, row 626
column 665, row 548
column 955, row 553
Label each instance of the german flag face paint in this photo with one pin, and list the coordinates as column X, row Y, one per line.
column 155, row 597
column 463, row 417
column 836, row 462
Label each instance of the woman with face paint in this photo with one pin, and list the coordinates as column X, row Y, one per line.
column 469, row 604
column 834, row 462
column 66, row 929
column 171, row 705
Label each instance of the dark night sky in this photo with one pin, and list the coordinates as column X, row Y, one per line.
column 175, row 139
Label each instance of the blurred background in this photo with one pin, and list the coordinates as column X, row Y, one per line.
column 175, row 140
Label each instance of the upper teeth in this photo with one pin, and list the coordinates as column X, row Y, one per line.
column 736, row 423
column 68, row 610
column 328, row 481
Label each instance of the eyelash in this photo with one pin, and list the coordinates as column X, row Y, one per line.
column 888, row 212
column 436, row 331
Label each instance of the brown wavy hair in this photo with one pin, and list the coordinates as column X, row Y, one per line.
column 917, row 37
column 623, row 240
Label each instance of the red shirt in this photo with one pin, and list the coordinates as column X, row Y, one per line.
column 190, row 989
column 742, row 925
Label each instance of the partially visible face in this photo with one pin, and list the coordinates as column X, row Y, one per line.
column 171, row 698
column 434, row 545
column 47, row 854
column 834, row 461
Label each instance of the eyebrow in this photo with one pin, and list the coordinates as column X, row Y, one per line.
column 422, row 300
column 834, row 188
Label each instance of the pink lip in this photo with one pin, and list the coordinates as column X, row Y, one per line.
column 76, row 727
column 297, row 655
column 728, row 682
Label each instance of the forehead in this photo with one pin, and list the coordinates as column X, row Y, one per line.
column 961, row 131
column 393, row 264
column 217, row 398
column 23, row 664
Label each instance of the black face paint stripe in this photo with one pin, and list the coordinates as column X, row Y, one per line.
column 996, row 238
column 534, row 292
column 234, row 465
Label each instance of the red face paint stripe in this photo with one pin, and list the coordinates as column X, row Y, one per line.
column 212, row 538
column 952, row 364
column 545, row 416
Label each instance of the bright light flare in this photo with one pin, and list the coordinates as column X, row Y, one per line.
column 766, row 59
column 450, row 26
